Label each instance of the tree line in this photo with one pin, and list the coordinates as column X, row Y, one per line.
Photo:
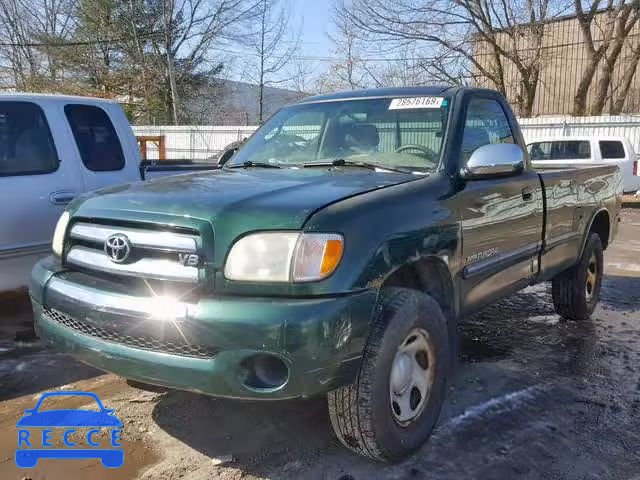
column 159, row 58
column 154, row 56
column 506, row 45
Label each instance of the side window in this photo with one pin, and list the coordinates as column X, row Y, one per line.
column 26, row 144
column 485, row 123
column 97, row 141
column 611, row 149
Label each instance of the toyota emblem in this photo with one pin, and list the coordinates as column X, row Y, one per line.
column 117, row 247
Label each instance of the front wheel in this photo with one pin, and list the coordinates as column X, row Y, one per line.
column 392, row 407
column 576, row 291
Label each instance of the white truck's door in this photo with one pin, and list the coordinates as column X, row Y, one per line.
column 103, row 144
column 38, row 178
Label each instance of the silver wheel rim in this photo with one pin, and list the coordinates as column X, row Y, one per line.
column 592, row 277
column 411, row 378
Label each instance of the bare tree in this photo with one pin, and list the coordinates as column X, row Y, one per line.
column 189, row 29
column 302, row 74
column 612, row 22
column 348, row 71
column 19, row 59
column 23, row 24
column 274, row 41
column 486, row 34
column 621, row 93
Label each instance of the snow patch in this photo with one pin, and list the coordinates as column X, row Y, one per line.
column 631, row 267
column 545, row 319
column 496, row 406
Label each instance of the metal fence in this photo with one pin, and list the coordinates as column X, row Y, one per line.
column 562, row 57
column 203, row 142
column 193, row 142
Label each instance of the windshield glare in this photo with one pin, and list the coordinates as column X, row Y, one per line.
column 399, row 134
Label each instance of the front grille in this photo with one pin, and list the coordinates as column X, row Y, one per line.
column 144, row 342
column 142, row 252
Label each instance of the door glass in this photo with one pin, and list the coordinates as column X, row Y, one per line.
column 97, row 140
column 486, row 123
column 26, row 144
column 611, row 149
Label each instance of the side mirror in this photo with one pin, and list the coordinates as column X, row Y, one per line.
column 226, row 156
column 494, row 160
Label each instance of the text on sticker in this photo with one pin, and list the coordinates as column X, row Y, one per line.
column 415, row 102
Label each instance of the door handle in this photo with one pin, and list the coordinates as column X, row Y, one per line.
column 62, row 198
column 527, row 194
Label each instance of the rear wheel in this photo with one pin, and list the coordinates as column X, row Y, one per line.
column 576, row 291
column 392, row 407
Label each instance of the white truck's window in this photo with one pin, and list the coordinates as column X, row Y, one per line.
column 560, row 150
column 97, row 140
column 611, row 149
column 486, row 123
column 26, row 144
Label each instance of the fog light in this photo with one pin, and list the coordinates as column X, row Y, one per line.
column 263, row 372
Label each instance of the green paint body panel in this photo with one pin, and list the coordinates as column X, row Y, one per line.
column 433, row 229
column 304, row 333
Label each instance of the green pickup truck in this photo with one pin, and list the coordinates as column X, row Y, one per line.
column 332, row 254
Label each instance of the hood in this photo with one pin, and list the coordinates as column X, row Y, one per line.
column 255, row 198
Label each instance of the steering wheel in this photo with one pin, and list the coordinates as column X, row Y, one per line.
column 424, row 151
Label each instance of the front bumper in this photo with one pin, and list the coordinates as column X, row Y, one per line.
column 200, row 345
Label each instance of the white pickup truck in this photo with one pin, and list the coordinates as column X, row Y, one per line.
column 52, row 149
column 576, row 152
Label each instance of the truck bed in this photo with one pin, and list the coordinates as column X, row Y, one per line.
column 572, row 198
column 150, row 169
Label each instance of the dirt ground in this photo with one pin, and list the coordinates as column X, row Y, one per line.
column 534, row 397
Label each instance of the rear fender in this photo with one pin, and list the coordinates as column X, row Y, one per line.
column 590, row 227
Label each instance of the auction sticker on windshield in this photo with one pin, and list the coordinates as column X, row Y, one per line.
column 415, row 102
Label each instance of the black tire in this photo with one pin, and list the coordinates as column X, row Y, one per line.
column 361, row 413
column 572, row 296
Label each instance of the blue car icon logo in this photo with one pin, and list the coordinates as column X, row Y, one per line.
column 69, row 420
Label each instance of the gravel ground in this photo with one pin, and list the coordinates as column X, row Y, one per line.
column 534, row 397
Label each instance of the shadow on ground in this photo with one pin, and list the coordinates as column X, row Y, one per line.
column 531, row 399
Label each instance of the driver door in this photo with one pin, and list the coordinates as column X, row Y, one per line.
column 501, row 217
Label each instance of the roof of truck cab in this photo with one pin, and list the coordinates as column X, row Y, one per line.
column 26, row 96
column 440, row 90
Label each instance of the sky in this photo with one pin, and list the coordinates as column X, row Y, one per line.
column 315, row 17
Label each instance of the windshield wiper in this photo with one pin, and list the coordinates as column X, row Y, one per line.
column 249, row 164
column 341, row 162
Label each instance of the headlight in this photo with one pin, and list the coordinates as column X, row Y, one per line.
column 284, row 256
column 57, row 244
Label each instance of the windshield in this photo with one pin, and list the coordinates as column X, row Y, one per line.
column 401, row 133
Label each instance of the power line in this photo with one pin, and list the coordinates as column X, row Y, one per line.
column 316, row 58
column 63, row 44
